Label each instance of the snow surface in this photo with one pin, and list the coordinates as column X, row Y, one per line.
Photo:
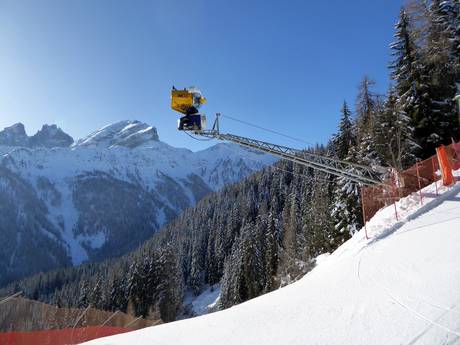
column 400, row 287
column 204, row 303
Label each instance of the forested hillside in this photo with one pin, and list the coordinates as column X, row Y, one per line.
column 267, row 230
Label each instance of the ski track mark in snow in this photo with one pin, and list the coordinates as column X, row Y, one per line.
column 426, row 330
column 411, row 310
column 437, row 305
column 416, row 313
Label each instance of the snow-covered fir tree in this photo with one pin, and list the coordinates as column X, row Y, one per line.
column 346, row 193
column 439, row 62
column 410, row 90
column 83, row 301
column 346, row 136
column 97, row 295
column 395, row 135
column 346, row 207
column 424, row 71
column 363, row 149
column 366, row 105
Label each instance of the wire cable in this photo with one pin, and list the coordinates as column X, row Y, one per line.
column 197, row 139
column 268, row 130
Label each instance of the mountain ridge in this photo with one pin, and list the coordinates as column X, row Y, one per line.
column 103, row 195
column 48, row 136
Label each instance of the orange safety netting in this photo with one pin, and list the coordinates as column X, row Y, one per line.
column 404, row 183
column 66, row 336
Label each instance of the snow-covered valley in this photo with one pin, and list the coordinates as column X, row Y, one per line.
column 102, row 195
column 402, row 286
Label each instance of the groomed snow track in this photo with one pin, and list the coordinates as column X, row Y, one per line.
column 400, row 287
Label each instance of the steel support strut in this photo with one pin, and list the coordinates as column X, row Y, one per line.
column 354, row 172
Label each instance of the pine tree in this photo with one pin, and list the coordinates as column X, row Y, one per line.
column 425, row 75
column 345, row 138
column 406, row 72
column 169, row 290
column 456, row 38
column 117, row 296
column 96, row 296
column 253, row 260
column 441, row 63
column 244, row 274
column 397, row 146
column 272, row 244
column 366, row 108
column 83, row 300
column 346, row 206
column 197, row 270
column 134, row 288
column 346, row 209
column 232, row 278
column 405, row 60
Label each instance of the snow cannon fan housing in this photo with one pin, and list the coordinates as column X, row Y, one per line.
column 195, row 122
column 188, row 102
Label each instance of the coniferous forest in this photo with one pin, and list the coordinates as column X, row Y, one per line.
column 266, row 231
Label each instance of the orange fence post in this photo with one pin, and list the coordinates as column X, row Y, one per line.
column 445, row 166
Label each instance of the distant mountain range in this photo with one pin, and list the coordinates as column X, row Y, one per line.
column 63, row 203
column 48, row 136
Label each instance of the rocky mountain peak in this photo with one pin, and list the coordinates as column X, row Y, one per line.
column 14, row 135
column 130, row 134
column 51, row 136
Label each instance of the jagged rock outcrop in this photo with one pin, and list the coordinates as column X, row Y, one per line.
column 49, row 136
column 14, row 135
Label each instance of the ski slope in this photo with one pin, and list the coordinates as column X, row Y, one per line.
column 400, row 287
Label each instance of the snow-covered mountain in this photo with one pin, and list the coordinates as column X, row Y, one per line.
column 402, row 286
column 63, row 204
column 130, row 134
column 49, row 136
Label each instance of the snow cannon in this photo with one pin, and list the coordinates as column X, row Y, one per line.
column 188, row 101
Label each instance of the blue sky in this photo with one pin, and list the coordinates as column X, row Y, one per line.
column 286, row 65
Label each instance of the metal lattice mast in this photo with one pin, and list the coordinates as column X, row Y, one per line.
column 354, row 172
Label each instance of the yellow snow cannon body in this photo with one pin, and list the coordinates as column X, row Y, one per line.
column 187, row 101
